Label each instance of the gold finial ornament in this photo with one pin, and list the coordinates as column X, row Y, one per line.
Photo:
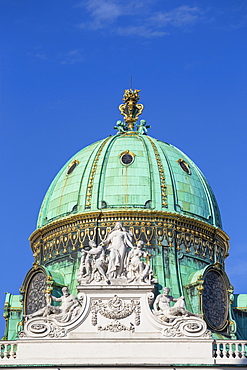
column 131, row 109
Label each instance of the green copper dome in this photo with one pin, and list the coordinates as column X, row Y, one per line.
column 130, row 171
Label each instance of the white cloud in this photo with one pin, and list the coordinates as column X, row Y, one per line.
column 103, row 12
column 72, row 57
column 37, row 53
column 140, row 31
column 178, row 17
column 127, row 18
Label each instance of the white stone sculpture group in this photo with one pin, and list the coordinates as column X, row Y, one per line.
column 115, row 260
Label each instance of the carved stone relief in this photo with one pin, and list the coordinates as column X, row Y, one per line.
column 115, row 309
column 187, row 327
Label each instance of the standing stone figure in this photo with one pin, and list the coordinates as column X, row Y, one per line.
column 92, row 263
column 118, row 241
column 137, row 270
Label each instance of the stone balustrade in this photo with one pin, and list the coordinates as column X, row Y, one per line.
column 8, row 350
column 233, row 351
column 224, row 352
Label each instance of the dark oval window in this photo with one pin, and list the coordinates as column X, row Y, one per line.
column 127, row 159
column 185, row 167
column 72, row 167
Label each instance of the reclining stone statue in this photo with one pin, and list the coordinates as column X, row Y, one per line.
column 165, row 312
column 64, row 313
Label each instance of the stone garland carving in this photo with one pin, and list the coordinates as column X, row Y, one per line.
column 55, row 321
column 214, row 298
column 116, row 326
column 115, row 261
column 115, row 309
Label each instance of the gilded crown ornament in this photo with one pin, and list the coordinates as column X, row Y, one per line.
column 130, row 109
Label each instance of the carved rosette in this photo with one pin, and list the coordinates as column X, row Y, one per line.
column 115, row 309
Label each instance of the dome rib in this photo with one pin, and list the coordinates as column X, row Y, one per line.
column 82, row 177
column 101, row 181
column 90, row 183
column 100, row 194
column 153, row 200
column 174, row 193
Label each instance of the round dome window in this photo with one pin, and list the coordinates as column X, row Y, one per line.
column 127, row 158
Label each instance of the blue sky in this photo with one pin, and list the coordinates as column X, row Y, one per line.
column 63, row 67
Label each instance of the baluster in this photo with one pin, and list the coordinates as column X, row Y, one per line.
column 214, row 349
column 221, row 348
column 231, row 351
column 239, row 349
column 243, row 350
column 225, row 349
column 12, row 351
column 218, row 349
column 5, row 352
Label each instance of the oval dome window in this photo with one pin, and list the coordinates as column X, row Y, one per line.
column 72, row 166
column 185, row 166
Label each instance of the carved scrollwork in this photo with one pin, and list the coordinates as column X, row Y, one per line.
column 116, row 326
column 38, row 327
column 187, row 327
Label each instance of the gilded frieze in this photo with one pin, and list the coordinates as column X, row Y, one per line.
column 154, row 228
